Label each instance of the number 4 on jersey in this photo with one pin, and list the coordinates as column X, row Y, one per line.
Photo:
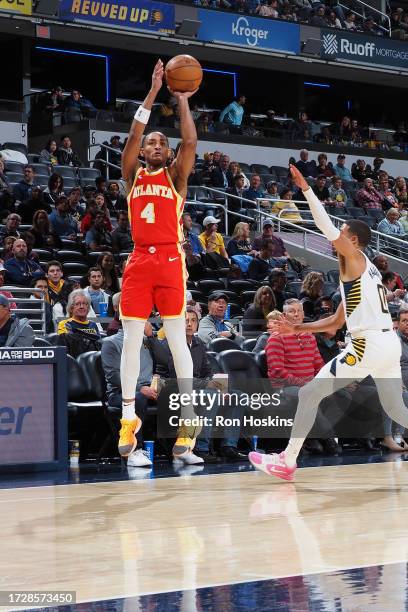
column 148, row 213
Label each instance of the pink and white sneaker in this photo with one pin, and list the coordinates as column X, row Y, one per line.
column 273, row 465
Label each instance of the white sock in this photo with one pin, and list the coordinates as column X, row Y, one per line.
column 292, row 450
column 130, row 364
column 128, row 411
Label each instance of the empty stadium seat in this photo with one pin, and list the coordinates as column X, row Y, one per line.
column 260, row 359
column 243, row 371
column 67, row 256
column 75, row 268
column 65, row 171
column 41, row 169
column 69, row 182
column 247, row 297
column 14, row 177
column 44, row 255
column 329, row 288
column 294, row 287
column 356, row 211
column 249, row 344
column 213, row 361
column 88, row 173
column 378, row 215
column 69, row 245
column 259, row 169
column 217, row 345
column 196, row 295
column 41, row 342
column 10, row 166
column 245, row 167
column 242, row 285
column 207, row 286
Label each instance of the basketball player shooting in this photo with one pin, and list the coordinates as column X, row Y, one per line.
column 155, row 272
column 374, row 349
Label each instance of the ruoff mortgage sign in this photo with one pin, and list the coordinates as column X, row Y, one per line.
column 363, row 49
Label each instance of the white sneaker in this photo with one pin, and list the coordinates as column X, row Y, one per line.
column 139, row 458
column 188, row 458
column 139, row 473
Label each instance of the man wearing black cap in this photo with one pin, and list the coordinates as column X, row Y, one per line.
column 13, row 331
column 214, row 325
column 340, row 169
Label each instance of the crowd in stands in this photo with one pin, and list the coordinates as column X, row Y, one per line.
column 69, row 247
column 327, row 14
column 236, row 119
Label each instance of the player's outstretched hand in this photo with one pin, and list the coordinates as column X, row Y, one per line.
column 179, row 95
column 284, row 326
column 157, row 76
column 298, row 177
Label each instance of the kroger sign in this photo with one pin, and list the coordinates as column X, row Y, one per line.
column 363, row 49
column 248, row 31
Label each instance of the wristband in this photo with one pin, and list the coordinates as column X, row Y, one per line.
column 142, row 115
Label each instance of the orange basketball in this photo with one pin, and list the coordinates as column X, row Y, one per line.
column 183, row 73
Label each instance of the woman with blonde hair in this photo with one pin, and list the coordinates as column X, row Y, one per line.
column 235, row 170
column 400, row 192
column 311, row 292
column 240, row 244
column 255, row 317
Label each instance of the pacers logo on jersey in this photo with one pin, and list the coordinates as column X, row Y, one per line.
column 350, row 359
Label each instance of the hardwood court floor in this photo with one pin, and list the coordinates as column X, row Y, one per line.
column 120, row 539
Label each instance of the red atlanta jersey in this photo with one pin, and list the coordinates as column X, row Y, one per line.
column 155, row 209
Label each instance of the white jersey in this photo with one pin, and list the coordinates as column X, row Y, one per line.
column 364, row 302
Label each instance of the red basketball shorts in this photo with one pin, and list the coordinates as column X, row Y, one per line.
column 154, row 276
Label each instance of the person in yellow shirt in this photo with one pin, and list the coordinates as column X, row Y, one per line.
column 211, row 240
column 285, row 204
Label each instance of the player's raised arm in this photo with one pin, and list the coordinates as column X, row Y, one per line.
column 342, row 243
column 331, row 324
column 130, row 162
column 183, row 164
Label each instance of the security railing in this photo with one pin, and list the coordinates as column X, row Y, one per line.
column 105, row 161
column 296, row 233
column 29, row 306
column 370, row 10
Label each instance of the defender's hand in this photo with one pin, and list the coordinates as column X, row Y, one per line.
column 298, row 177
column 157, row 76
column 284, row 326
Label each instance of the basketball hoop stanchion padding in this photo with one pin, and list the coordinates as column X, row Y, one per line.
column 33, row 409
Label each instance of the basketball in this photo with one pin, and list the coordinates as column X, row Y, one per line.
column 183, row 73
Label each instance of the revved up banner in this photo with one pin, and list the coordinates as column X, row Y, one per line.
column 361, row 49
column 138, row 14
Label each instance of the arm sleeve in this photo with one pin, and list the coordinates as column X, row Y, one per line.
column 321, row 217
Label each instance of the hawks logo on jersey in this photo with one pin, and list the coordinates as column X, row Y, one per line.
column 155, row 209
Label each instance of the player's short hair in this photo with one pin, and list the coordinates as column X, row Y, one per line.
column 154, row 132
column 361, row 230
